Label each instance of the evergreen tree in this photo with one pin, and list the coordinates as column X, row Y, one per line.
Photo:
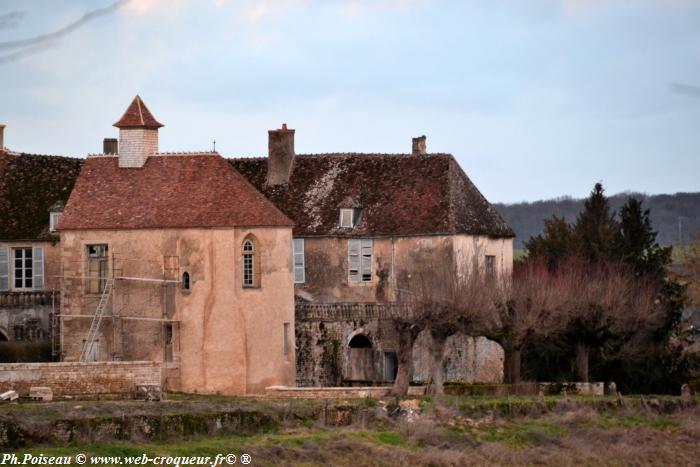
column 635, row 242
column 595, row 227
column 553, row 245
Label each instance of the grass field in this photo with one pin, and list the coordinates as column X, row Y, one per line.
column 448, row 431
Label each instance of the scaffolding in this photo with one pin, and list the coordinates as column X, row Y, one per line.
column 152, row 282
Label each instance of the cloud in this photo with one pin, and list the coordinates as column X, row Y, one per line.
column 145, row 7
column 254, row 11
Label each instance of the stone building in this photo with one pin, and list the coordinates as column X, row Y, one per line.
column 232, row 272
column 33, row 190
column 176, row 258
column 359, row 221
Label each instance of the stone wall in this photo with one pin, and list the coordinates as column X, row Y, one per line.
column 25, row 316
column 283, row 392
column 80, row 380
column 325, row 358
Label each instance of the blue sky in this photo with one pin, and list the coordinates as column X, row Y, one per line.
column 536, row 99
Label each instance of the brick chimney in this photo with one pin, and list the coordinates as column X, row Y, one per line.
column 280, row 158
column 110, row 146
column 419, row 146
column 138, row 134
column 2, row 136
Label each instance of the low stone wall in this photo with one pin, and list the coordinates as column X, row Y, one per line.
column 284, row 392
column 95, row 380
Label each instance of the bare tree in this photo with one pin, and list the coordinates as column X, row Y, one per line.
column 602, row 301
column 445, row 301
column 526, row 305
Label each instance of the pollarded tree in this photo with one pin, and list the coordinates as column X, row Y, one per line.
column 604, row 301
column 526, row 305
column 444, row 300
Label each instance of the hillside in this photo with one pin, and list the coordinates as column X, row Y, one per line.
column 666, row 212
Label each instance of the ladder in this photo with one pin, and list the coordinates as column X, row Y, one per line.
column 97, row 319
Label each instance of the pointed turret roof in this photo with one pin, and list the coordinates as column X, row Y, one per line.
column 137, row 115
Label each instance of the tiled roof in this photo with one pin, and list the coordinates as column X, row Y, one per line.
column 29, row 185
column 199, row 190
column 399, row 194
column 137, row 115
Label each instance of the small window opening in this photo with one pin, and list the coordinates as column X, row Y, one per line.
column 54, row 217
column 347, row 218
column 360, row 342
column 287, row 344
column 185, row 281
column 251, row 277
column 490, row 266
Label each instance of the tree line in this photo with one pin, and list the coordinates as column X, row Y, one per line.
column 592, row 300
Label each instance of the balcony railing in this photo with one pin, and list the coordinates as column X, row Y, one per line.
column 28, row 299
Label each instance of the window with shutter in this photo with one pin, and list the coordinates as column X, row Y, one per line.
column 4, row 269
column 299, row 273
column 38, row 273
column 360, row 260
column 23, row 275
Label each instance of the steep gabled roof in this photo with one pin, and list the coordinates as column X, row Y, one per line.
column 170, row 191
column 29, row 185
column 137, row 115
column 399, row 194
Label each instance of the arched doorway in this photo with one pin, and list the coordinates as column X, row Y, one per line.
column 360, row 363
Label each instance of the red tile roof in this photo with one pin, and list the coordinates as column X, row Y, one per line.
column 169, row 191
column 399, row 194
column 137, row 115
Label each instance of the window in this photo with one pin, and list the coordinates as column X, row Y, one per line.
column 299, row 273
column 185, row 281
column 93, row 352
column 360, row 260
column 96, row 268
column 490, row 266
column 347, row 218
column 287, row 344
column 23, row 268
column 251, row 271
column 54, row 217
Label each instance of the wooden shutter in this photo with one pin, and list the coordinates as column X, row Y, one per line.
column 299, row 274
column 354, row 260
column 4, row 268
column 366, row 262
column 38, row 268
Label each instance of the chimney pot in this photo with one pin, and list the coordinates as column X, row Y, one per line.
column 2, row 136
column 280, row 158
column 110, row 146
column 419, row 146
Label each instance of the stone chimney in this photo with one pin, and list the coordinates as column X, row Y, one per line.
column 2, row 136
column 280, row 158
column 419, row 146
column 138, row 134
column 110, row 146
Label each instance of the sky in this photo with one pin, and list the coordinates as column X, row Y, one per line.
column 536, row 99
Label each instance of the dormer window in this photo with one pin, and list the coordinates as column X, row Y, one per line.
column 54, row 217
column 347, row 218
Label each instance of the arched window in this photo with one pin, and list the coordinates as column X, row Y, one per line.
column 250, row 269
column 185, row 280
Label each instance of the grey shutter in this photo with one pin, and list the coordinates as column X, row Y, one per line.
column 299, row 276
column 38, row 268
column 366, row 265
column 354, row 260
column 4, row 268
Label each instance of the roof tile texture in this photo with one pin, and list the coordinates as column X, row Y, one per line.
column 180, row 191
column 137, row 115
column 399, row 194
